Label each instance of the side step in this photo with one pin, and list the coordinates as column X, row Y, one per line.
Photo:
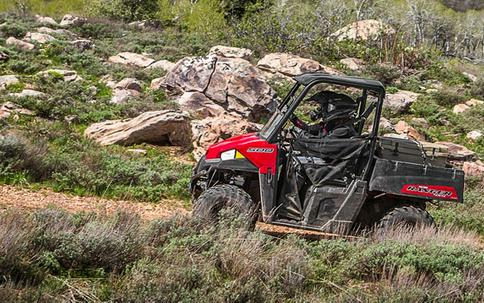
column 279, row 230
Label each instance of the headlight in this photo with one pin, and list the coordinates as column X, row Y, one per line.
column 231, row 155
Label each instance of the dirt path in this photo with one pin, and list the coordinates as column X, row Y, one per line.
column 12, row 197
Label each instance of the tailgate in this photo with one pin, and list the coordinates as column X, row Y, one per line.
column 414, row 180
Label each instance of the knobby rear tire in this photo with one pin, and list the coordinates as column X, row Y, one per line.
column 408, row 216
column 226, row 197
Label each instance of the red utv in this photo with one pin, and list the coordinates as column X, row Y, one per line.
column 283, row 175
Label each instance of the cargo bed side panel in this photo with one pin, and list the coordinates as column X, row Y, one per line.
column 409, row 179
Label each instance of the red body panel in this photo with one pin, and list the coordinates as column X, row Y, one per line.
column 430, row 191
column 258, row 151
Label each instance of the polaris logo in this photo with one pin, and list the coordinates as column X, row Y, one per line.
column 260, row 150
column 444, row 192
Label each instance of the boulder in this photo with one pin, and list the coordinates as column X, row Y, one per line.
column 474, row 135
column 474, row 102
column 353, row 63
column 473, row 169
column 400, row 101
column 198, row 105
column 123, row 95
column 66, row 75
column 287, row 64
column 460, row 108
column 83, row 44
column 7, row 80
column 231, row 52
column 39, row 38
column 156, row 127
column 45, row 20
column 70, row 20
column 132, row 59
column 157, row 83
column 420, row 122
column 403, row 128
column 385, row 126
column 162, row 64
column 20, row 44
column 458, row 152
column 10, row 108
column 28, row 93
column 129, row 83
column 234, row 83
column 212, row 130
column 363, row 30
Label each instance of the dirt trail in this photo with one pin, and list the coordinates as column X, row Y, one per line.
column 12, row 197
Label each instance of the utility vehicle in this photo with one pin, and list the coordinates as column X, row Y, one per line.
column 285, row 176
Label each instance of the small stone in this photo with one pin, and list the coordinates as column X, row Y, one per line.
column 20, row 44
column 10, row 108
column 130, row 84
column 45, row 20
column 123, row 95
column 28, row 93
column 400, row 101
column 137, row 151
column 352, row 63
column 67, row 75
column 474, row 135
column 460, row 108
column 83, row 44
column 470, row 76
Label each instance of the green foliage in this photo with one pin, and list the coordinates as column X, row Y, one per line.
column 387, row 74
column 125, row 10
column 13, row 30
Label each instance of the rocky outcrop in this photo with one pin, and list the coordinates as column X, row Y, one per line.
column 400, row 101
column 233, row 83
column 65, row 75
column 7, row 80
column 19, row 44
column 157, row 127
column 9, row 108
column 39, row 38
column 458, row 152
column 70, row 20
column 363, row 30
column 132, row 59
column 231, row 52
column 215, row 129
column 473, row 169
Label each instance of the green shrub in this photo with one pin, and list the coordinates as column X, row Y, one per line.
column 126, row 10
column 387, row 74
column 447, row 97
column 477, row 88
column 13, row 30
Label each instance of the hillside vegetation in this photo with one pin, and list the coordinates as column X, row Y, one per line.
column 50, row 255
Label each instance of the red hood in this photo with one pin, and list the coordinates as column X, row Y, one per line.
column 258, row 151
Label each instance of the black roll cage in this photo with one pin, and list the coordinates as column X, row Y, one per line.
column 310, row 80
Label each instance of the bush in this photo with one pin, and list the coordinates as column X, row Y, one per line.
column 447, row 97
column 477, row 88
column 126, row 10
column 13, row 30
column 387, row 74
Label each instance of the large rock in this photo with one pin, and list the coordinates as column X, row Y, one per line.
column 129, row 83
column 458, row 152
column 212, row 130
column 83, row 44
column 162, row 64
column 287, row 64
column 132, row 59
column 65, row 75
column 7, row 80
column 460, row 108
column 231, row 52
column 198, row 105
column 123, row 95
column 403, row 128
column 400, row 101
column 474, row 102
column 39, row 38
column 45, row 20
column 28, row 93
column 474, row 135
column 70, row 20
column 157, row 127
column 234, row 83
column 19, row 43
column 353, row 63
column 363, row 30
column 473, row 169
